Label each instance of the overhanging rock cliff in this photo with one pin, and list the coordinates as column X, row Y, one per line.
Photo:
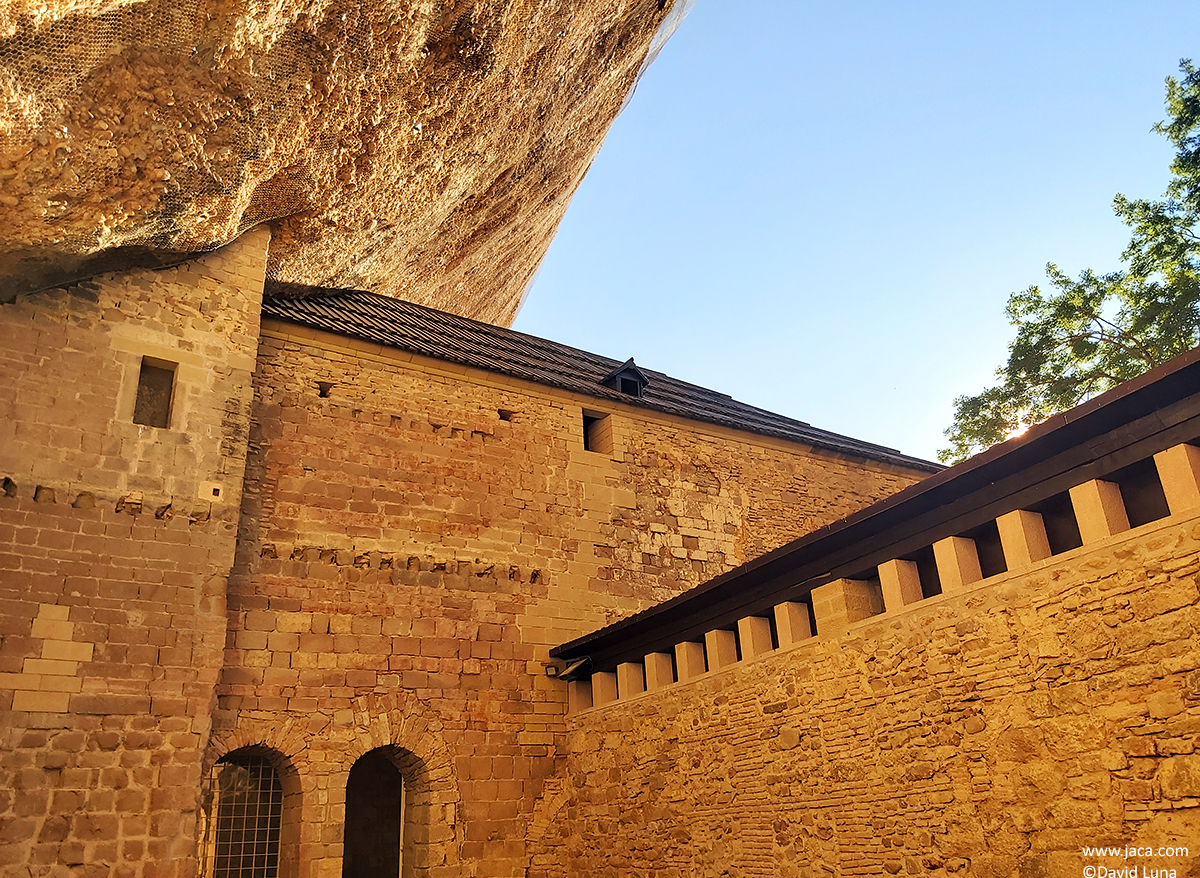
column 422, row 149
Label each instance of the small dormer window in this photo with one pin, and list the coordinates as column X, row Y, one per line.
column 627, row 378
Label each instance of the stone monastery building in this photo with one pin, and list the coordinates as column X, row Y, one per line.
column 323, row 583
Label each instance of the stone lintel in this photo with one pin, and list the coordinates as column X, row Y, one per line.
column 689, row 659
column 957, row 562
column 631, row 679
column 1023, row 538
column 721, row 646
column 755, row 635
column 900, row 583
column 1179, row 472
column 792, row 623
column 1099, row 509
column 604, row 687
column 839, row 603
column 660, row 670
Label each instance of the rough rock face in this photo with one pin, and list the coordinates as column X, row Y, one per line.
column 425, row 149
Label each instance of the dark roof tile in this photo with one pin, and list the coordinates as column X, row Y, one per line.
column 443, row 336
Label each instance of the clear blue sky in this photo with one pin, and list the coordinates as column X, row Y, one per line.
column 822, row 208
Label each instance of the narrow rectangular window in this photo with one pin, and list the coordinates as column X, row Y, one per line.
column 597, row 432
column 156, row 385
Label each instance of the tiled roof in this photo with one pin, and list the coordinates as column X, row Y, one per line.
column 420, row 330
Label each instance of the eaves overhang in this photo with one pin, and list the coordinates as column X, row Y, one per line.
column 1123, row 426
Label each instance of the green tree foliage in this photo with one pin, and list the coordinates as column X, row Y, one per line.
column 1080, row 337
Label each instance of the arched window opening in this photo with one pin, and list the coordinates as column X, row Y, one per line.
column 374, row 834
column 244, row 811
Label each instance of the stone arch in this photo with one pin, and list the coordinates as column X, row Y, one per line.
column 318, row 750
column 409, row 733
column 283, row 736
column 545, row 837
column 290, row 810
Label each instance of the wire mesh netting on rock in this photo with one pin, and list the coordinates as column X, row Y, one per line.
column 422, row 149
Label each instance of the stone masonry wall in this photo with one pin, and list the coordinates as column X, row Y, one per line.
column 995, row 731
column 115, row 543
column 417, row 536
column 406, row 454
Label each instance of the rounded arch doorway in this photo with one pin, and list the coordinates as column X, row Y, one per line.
column 376, row 812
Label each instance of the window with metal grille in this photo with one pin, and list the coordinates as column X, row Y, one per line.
column 247, row 808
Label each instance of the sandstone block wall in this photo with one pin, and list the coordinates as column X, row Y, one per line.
column 71, row 357
column 415, row 538
column 115, row 543
column 361, row 448
column 994, row 731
